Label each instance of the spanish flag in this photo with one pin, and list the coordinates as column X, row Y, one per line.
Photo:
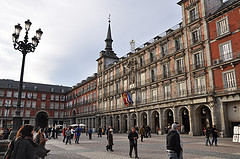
column 125, row 99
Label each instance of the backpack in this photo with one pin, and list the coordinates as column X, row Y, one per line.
column 77, row 131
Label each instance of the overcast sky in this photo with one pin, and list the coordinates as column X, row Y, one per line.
column 74, row 32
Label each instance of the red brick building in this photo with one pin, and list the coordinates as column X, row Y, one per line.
column 224, row 38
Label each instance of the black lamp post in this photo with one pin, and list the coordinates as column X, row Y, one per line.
column 24, row 47
column 7, row 106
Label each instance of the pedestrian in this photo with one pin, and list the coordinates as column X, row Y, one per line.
column 110, row 140
column 57, row 132
column 53, row 130
column 64, row 134
column 109, row 127
column 133, row 136
column 100, row 131
column 90, row 133
column 142, row 132
column 214, row 135
column 136, row 128
column 148, row 131
column 46, row 132
column 86, row 131
column 207, row 135
column 23, row 146
column 181, row 144
column 173, row 143
column 78, row 132
column 49, row 132
column 68, row 135
column 182, row 128
column 40, row 140
column 72, row 132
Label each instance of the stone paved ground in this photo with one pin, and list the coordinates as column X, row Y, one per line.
column 151, row 148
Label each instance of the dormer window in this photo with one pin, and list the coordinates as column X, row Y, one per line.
column 193, row 14
column 23, row 87
column 35, row 87
column 9, row 85
column 52, row 89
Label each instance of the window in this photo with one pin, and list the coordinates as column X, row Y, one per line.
column 179, row 66
column 34, row 95
column 51, row 89
column 125, row 84
column 56, row 105
column 1, row 93
column 154, row 94
column 56, row 97
column 1, row 102
column 61, row 105
column 141, row 60
column 27, row 113
column 61, row 114
column 200, row 85
column 226, row 51
column 164, row 51
column 23, row 94
column 124, row 69
column 222, row 26
column 62, row 98
column 43, row 96
column 196, row 36
column 34, row 104
column 142, row 78
column 182, row 89
column 117, row 87
column 22, row 103
column 43, row 104
column 111, row 75
column 118, row 102
column 143, row 96
column 197, row 60
column 193, row 14
column 166, row 70
column 28, row 104
column 177, row 44
column 153, row 75
column 105, row 78
column 55, row 114
column 229, row 80
column 15, row 94
column 29, row 95
column 9, row 93
column 52, row 97
column 167, row 91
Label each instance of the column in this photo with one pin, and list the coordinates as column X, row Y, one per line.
column 176, row 116
column 191, row 120
column 161, row 122
column 149, row 118
column 120, row 124
column 113, row 122
column 128, row 123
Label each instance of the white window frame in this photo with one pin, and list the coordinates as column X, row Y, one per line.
column 232, row 83
column 225, row 50
column 222, row 26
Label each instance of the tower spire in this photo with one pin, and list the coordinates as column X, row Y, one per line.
column 109, row 37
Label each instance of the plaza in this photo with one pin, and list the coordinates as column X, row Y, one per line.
column 150, row 148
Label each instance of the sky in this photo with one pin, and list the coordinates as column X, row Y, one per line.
column 74, row 32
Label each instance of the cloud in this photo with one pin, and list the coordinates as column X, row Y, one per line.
column 74, row 32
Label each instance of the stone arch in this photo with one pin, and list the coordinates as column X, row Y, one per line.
column 168, row 117
column 203, row 118
column 42, row 119
column 155, row 115
column 74, row 113
column 184, row 119
column 117, row 123
column 133, row 120
column 143, row 119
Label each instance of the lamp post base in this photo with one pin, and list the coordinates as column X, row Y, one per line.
column 17, row 123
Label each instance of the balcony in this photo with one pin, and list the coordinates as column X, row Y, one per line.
column 226, row 88
column 195, row 40
column 197, row 65
column 226, row 57
column 199, row 90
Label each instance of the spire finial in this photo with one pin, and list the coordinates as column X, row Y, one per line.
column 109, row 18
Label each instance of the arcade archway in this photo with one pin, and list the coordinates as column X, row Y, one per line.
column 42, row 120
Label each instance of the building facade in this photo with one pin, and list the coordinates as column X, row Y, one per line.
column 224, row 33
column 188, row 74
column 41, row 105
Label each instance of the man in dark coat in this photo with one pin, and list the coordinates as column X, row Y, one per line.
column 214, row 135
column 173, row 143
column 110, row 140
column 100, row 132
column 133, row 136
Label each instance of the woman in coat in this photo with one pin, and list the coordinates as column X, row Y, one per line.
column 110, row 140
column 23, row 147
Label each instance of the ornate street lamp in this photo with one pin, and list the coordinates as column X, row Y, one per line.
column 24, row 47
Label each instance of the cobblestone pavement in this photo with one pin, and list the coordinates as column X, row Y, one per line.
column 151, row 148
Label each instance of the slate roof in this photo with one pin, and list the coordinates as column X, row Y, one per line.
column 226, row 4
column 11, row 84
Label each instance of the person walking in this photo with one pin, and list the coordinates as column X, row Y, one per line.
column 207, row 135
column 72, row 132
column 68, row 135
column 40, row 140
column 110, row 140
column 78, row 132
column 173, row 143
column 23, row 146
column 142, row 132
column 133, row 136
column 64, row 134
column 214, row 135
column 100, row 131
column 90, row 133
column 53, row 131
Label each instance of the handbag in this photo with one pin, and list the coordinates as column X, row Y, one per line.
column 41, row 151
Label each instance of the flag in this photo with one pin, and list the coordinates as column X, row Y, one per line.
column 129, row 98
column 124, row 99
